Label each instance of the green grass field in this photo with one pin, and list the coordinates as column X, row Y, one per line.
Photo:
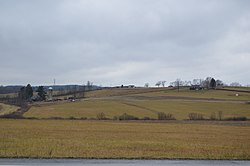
column 95, row 139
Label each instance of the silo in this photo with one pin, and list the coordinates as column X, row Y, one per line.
column 50, row 94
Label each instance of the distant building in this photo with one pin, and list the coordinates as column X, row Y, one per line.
column 196, row 87
column 35, row 98
column 131, row 86
column 128, row 86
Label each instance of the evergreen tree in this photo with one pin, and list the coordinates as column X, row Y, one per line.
column 28, row 91
column 212, row 83
column 41, row 92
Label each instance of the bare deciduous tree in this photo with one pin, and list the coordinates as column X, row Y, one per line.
column 163, row 83
column 178, row 83
column 196, row 82
column 101, row 116
column 207, row 82
column 146, row 85
column 89, row 85
column 219, row 83
column 158, row 83
column 235, row 84
column 220, row 115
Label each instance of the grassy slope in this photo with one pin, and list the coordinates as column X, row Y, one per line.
column 211, row 94
column 111, row 108
column 85, row 139
column 181, row 109
column 8, row 95
column 153, row 92
column 146, row 108
column 89, row 108
column 238, row 88
column 122, row 91
column 7, row 109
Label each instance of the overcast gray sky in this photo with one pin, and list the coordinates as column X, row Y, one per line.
column 114, row 42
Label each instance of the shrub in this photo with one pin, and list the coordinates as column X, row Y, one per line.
column 148, row 118
column 240, row 118
column 164, row 116
column 56, row 118
column 101, row 116
column 116, row 118
column 31, row 118
column 127, row 117
column 72, row 118
column 195, row 116
column 213, row 116
column 220, row 115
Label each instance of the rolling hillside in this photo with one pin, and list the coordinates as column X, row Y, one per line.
column 148, row 102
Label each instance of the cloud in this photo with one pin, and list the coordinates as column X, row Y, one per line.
column 118, row 42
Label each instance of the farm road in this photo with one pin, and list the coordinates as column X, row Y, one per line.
column 107, row 162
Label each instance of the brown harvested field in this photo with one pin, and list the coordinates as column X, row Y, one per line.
column 171, row 92
column 94, row 139
column 122, row 91
column 202, row 94
column 135, row 139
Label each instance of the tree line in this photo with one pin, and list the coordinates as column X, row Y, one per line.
column 26, row 93
column 207, row 83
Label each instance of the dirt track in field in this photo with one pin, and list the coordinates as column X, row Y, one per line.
column 145, row 108
column 181, row 98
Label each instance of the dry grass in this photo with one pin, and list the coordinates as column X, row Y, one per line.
column 86, row 139
column 209, row 94
column 181, row 109
column 238, row 88
column 88, row 108
column 10, row 95
column 184, row 92
column 138, row 108
column 122, row 91
column 7, row 109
